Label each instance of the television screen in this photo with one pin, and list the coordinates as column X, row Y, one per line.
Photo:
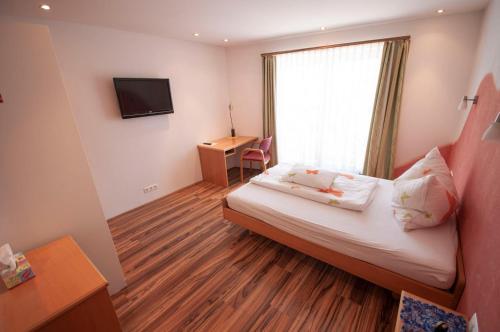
column 143, row 96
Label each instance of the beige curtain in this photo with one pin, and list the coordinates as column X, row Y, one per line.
column 379, row 160
column 269, row 119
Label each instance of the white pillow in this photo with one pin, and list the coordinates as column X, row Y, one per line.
column 422, row 202
column 310, row 176
column 433, row 163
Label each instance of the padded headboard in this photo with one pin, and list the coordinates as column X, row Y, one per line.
column 476, row 168
column 445, row 151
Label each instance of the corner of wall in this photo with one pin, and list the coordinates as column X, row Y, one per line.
column 487, row 58
column 44, row 156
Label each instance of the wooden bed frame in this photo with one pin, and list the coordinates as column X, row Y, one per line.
column 375, row 274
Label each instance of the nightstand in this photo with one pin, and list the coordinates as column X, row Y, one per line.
column 417, row 314
column 67, row 294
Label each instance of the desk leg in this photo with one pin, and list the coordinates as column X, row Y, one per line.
column 213, row 166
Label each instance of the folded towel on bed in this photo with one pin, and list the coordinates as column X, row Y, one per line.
column 309, row 176
column 354, row 192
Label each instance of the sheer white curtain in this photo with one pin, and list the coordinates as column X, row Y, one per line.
column 324, row 104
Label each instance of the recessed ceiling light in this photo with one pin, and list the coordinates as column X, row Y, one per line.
column 196, row 34
column 226, row 40
column 440, row 11
column 45, row 7
column 323, row 28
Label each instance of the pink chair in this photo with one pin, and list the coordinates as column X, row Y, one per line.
column 261, row 155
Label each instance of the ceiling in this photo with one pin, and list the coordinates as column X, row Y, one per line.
column 241, row 21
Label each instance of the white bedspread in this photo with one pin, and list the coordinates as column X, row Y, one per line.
column 352, row 192
column 426, row 255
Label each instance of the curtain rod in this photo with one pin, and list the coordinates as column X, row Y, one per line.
column 336, row 45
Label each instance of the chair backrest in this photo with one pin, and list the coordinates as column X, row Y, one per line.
column 265, row 145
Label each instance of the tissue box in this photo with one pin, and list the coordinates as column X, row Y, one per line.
column 22, row 272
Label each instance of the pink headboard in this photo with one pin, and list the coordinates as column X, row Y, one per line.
column 476, row 168
column 445, row 151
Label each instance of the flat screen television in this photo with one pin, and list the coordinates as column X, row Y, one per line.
column 143, row 96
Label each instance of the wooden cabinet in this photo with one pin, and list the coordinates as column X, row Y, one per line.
column 67, row 294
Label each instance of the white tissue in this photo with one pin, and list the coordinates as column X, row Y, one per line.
column 7, row 257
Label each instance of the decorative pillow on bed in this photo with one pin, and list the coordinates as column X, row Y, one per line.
column 310, row 176
column 422, row 202
column 425, row 195
column 432, row 163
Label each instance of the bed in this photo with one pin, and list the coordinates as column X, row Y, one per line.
column 368, row 244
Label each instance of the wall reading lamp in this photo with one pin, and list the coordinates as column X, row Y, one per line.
column 464, row 102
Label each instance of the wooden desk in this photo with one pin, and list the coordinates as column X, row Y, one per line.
column 67, row 294
column 213, row 157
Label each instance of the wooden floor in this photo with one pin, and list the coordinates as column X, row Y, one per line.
column 189, row 269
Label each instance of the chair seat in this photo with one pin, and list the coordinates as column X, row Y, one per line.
column 256, row 156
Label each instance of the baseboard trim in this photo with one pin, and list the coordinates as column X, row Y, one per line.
column 162, row 197
column 153, row 201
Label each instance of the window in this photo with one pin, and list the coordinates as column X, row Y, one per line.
column 324, row 105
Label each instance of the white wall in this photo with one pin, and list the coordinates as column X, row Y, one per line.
column 46, row 188
column 126, row 155
column 437, row 74
column 488, row 53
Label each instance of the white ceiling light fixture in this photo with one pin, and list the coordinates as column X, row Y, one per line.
column 440, row 11
column 196, row 34
column 45, row 7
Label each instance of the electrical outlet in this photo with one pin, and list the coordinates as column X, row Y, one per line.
column 150, row 188
column 473, row 325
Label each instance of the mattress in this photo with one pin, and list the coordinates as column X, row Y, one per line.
column 373, row 235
